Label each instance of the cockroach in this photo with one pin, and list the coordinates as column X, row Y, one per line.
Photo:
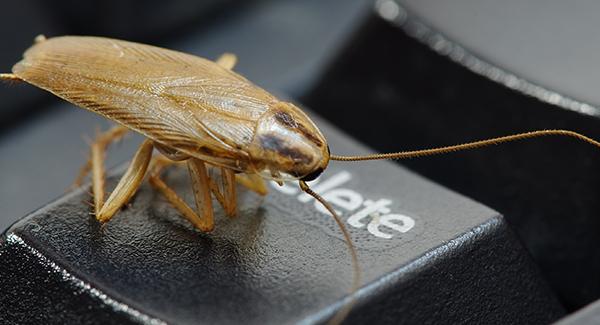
column 200, row 112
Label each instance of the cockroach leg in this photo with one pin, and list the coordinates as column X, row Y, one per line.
column 159, row 162
column 200, row 187
column 224, row 190
column 83, row 171
column 129, row 183
column 229, row 191
column 95, row 163
column 227, row 60
column 252, row 182
column 201, row 193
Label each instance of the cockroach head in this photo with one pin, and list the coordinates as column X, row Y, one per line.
column 287, row 145
column 313, row 175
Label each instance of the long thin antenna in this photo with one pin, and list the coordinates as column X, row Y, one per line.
column 467, row 146
column 342, row 313
column 9, row 77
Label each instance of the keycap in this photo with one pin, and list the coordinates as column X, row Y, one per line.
column 406, row 84
column 427, row 255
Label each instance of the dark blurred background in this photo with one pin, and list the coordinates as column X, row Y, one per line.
column 395, row 75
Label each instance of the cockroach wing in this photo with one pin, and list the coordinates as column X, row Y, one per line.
column 182, row 101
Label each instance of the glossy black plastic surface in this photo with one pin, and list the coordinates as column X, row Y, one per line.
column 280, row 261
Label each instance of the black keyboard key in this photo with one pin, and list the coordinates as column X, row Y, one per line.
column 427, row 255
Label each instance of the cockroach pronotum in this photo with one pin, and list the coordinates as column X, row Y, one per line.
column 199, row 112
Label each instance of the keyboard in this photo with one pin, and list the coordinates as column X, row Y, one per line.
column 501, row 235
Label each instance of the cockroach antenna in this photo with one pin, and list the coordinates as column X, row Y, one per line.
column 356, row 275
column 467, row 146
column 9, row 78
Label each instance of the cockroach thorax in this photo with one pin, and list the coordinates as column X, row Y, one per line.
column 288, row 144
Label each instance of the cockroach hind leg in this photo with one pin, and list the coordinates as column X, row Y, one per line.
column 227, row 60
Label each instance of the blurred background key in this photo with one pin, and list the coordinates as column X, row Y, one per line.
column 139, row 20
column 21, row 22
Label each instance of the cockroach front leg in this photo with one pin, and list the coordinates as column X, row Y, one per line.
column 252, row 182
column 128, row 184
column 204, row 219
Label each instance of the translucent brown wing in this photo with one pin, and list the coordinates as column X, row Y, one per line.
column 182, row 101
